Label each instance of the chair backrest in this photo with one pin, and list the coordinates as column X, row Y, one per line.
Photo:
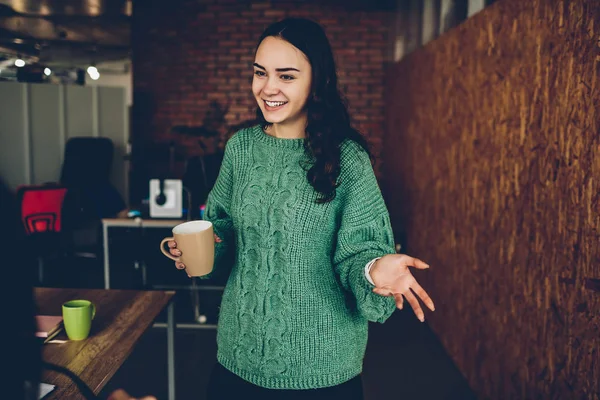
column 87, row 161
column 41, row 208
column 86, row 173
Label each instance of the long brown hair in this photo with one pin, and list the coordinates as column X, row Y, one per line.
column 328, row 119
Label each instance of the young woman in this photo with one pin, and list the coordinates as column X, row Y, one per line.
column 298, row 204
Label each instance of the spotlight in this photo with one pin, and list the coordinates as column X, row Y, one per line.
column 19, row 63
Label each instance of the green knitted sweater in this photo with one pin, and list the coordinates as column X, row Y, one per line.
column 295, row 310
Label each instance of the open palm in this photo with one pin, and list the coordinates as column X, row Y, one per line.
column 392, row 277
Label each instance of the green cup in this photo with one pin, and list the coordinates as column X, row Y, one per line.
column 77, row 318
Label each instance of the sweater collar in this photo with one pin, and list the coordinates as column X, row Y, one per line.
column 263, row 137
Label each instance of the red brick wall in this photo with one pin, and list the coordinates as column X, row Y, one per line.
column 187, row 54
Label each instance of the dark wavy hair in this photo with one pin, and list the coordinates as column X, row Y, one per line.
column 328, row 120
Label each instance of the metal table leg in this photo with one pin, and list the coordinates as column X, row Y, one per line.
column 171, row 348
column 40, row 270
column 105, row 245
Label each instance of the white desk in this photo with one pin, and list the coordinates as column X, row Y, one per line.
column 129, row 223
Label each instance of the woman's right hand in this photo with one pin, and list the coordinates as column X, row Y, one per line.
column 175, row 252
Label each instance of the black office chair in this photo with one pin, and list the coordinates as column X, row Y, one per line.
column 86, row 172
column 90, row 197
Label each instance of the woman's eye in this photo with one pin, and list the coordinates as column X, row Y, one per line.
column 287, row 77
column 259, row 73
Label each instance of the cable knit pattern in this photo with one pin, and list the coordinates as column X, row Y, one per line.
column 295, row 310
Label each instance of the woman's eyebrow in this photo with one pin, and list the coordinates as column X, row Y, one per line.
column 277, row 69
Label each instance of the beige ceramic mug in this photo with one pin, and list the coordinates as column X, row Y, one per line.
column 196, row 242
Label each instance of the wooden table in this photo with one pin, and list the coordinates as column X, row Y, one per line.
column 122, row 316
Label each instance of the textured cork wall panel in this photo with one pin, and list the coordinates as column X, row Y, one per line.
column 492, row 168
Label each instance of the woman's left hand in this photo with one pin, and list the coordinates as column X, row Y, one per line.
column 393, row 278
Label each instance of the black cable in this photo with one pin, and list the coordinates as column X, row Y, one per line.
column 83, row 388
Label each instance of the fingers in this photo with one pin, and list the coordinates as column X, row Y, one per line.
column 217, row 239
column 387, row 292
column 414, row 303
column 173, row 248
column 383, row 291
column 415, row 262
column 410, row 297
column 179, row 265
column 419, row 291
column 399, row 301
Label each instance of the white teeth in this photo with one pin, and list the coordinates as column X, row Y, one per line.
column 275, row 103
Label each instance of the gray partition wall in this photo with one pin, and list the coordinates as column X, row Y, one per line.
column 15, row 158
column 46, row 131
column 36, row 120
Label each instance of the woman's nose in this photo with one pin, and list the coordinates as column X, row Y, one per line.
column 270, row 87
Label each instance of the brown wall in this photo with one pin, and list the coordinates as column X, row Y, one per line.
column 492, row 166
column 187, row 54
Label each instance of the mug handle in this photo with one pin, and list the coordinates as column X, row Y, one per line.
column 162, row 248
column 93, row 310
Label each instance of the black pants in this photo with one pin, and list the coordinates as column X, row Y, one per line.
column 225, row 385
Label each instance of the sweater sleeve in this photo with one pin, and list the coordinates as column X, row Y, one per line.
column 217, row 211
column 364, row 233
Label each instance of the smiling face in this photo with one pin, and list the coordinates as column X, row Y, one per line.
column 282, row 82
